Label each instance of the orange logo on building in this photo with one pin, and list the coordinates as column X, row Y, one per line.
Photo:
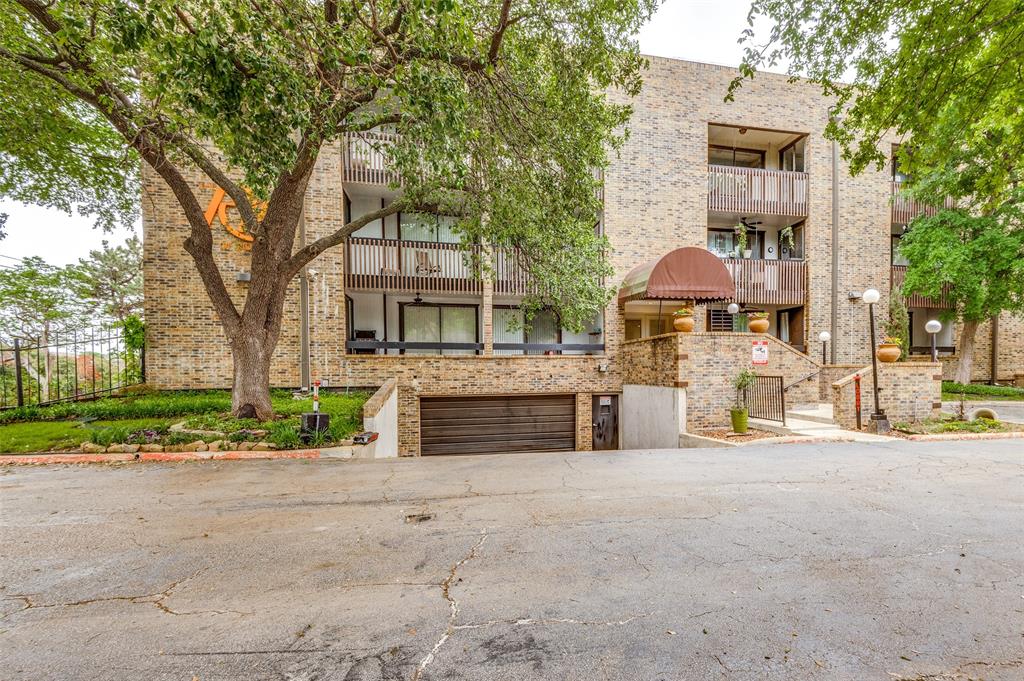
column 223, row 209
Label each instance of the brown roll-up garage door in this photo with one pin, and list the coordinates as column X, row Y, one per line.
column 497, row 424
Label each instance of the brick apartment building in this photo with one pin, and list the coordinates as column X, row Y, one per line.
column 398, row 301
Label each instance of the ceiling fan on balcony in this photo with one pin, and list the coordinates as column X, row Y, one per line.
column 751, row 224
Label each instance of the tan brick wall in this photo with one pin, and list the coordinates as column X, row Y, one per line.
column 652, row 361
column 908, row 391
column 432, row 375
column 714, row 359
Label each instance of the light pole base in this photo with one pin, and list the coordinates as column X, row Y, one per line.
column 879, row 424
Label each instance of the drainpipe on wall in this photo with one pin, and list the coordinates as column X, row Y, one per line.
column 303, row 310
column 835, row 250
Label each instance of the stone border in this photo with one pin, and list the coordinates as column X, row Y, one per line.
column 927, row 437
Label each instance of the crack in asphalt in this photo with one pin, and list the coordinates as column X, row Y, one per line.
column 453, row 606
column 160, row 596
column 529, row 621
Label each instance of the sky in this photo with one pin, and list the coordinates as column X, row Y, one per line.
column 698, row 30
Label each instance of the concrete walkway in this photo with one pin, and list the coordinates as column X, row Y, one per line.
column 816, row 421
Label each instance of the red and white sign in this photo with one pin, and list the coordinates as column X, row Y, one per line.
column 759, row 352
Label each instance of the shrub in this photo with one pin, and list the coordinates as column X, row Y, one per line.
column 986, row 390
column 284, row 435
column 108, row 436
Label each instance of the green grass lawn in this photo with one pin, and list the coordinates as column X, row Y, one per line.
column 66, row 426
column 44, row 436
column 950, row 424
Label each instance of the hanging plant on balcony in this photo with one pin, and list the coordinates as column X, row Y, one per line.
column 786, row 237
column 682, row 319
column 740, row 230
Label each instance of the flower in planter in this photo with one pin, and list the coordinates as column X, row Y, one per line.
column 757, row 315
column 892, row 340
column 683, row 312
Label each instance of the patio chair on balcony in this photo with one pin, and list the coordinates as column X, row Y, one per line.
column 424, row 266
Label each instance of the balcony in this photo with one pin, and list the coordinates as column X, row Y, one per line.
column 899, row 274
column 363, row 160
column 402, row 265
column 905, row 209
column 769, row 282
column 755, row 191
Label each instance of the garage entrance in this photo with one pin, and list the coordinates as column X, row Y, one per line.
column 497, row 424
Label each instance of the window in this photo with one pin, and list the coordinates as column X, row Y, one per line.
column 509, row 325
column 735, row 156
column 719, row 319
column 428, row 227
column 438, row 323
column 723, row 243
column 899, row 173
column 791, row 157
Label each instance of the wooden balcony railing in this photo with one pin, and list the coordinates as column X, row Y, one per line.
column 427, row 266
column 898, row 276
column 769, row 282
column 363, row 159
column 757, row 191
column 905, row 209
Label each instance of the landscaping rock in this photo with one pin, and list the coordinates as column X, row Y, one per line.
column 123, row 448
column 151, row 448
column 215, row 446
column 264, row 447
column 241, row 446
column 197, row 446
column 93, row 448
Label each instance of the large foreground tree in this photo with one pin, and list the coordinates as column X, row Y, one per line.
column 500, row 108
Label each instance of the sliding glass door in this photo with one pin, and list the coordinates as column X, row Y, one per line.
column 439, row 323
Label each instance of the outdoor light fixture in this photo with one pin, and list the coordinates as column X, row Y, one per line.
column 824, row 337
column 933, row 327
column 733, row 308
column 872, row 296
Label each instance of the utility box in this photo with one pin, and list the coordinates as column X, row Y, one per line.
column 313, row 423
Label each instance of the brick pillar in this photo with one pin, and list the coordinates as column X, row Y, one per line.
column 487, row 306
column 487, row 315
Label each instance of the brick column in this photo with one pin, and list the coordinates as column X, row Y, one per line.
column 487, row 315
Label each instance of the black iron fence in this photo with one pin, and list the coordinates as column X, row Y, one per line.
column 766, row 399
column 74, row 365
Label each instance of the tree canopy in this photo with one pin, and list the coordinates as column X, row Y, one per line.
column 946, row 74
column 501, row 109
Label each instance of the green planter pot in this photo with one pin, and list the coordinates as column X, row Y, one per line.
column 739, row 420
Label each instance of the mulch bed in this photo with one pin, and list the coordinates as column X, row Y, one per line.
column 729, row 436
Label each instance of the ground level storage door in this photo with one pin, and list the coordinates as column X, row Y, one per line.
column 496, row 424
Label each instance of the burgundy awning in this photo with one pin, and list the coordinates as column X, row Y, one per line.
column 683, row 274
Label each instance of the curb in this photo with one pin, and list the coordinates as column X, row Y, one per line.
column 157, row 457
column 929, row 437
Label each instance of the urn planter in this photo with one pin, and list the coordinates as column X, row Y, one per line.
column 758, row 325
column 683, row 324
column 888, row 352
column 739, row 420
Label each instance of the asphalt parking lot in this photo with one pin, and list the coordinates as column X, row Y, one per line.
column 838, row 561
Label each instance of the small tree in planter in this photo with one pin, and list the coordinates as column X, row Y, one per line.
column 738, row 414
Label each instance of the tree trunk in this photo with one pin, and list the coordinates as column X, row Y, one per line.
column 250, row 392
column 966, row 349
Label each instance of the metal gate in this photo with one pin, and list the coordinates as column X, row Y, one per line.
column 766, row 399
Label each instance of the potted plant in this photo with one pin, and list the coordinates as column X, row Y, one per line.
column 758, row 322
column 738, row 414
column 890, row 350
column 682, row 319
column 740, row 230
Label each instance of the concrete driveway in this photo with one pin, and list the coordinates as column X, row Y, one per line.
column 839, row 561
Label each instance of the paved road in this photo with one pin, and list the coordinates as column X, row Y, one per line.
column 839, row 561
